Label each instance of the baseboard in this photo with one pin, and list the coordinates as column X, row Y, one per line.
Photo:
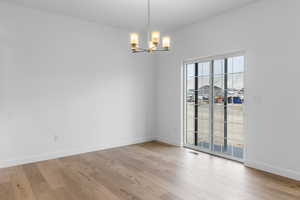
column 68, row 152
column 167, row 142
column 274, row 170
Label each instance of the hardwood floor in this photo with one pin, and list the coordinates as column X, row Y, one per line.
column 151, row 171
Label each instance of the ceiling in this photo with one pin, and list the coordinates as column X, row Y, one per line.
column 131, row 14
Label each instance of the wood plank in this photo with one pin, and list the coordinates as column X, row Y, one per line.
column 52, row 173
column 6, row 191
column 21, row 186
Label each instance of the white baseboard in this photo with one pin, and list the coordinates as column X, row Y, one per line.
column 68, row 152
column 274, row 170
column 168, row 142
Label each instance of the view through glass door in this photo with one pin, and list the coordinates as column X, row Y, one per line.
column 214, row 101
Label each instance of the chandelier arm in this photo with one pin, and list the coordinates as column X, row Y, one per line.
column 142, row 49
column 139, row 50
column 161, row 50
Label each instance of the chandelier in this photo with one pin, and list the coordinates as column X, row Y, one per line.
column 153, row 39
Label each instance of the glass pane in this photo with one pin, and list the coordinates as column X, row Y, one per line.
column 190, row 70
column 190, row 83
column 190, row 104
column 190, row 133
column 219, row 78
column 203, row 102
column 235, row 121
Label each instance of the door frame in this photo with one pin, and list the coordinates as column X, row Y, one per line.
column 183, row 104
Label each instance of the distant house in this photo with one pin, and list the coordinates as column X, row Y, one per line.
column 205, row 90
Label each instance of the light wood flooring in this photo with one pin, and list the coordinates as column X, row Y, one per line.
column 151, row 171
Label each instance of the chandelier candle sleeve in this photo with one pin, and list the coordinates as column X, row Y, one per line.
column 155, row 37
column 166, row 42
column 151, row 46
column 134, row 40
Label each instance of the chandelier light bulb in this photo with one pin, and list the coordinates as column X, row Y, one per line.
column 151, row 46
column 134, row 40
column 155, row 37
column 166, row 42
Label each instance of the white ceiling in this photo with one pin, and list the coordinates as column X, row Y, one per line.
column 131, row 14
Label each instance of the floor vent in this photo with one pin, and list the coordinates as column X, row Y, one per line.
column 193, row 152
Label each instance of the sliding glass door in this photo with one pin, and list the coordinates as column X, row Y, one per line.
column 214, row 98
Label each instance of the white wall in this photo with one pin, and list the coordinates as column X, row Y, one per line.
column 269, row 32
column 69, row 86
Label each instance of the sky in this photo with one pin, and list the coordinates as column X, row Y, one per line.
column 235, row 70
